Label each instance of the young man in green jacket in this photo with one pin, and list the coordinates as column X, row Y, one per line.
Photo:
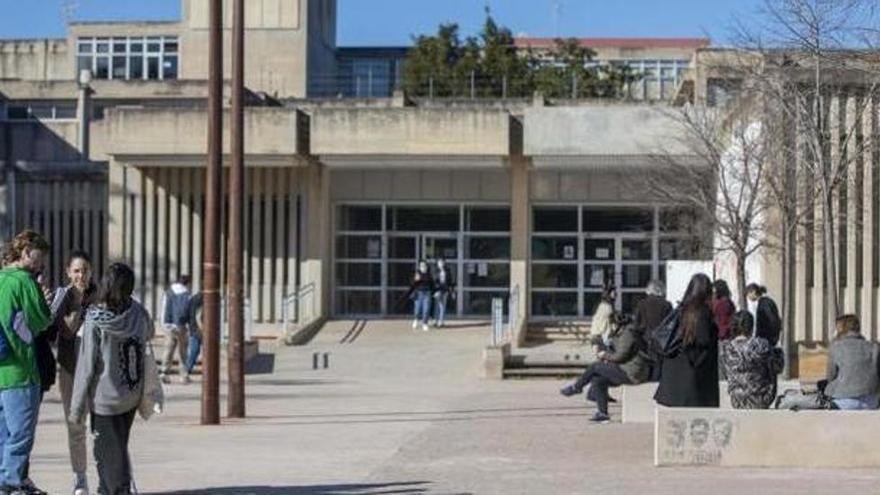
column 24, row 314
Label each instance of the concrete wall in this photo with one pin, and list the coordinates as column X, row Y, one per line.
column 410, row 131
column 600, row 130
column 35, row 60
column 275, row 45
column 420, row 185
column 183, row 131
column 585, row 186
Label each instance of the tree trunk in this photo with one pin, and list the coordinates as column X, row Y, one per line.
column 831, row 281
column 788, row 274
column 741, row 280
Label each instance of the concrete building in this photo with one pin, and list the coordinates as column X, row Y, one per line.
column 529, row 199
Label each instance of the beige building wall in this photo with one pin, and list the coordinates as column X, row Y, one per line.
column 35, row 60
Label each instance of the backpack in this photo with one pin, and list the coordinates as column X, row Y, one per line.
column 666, row 339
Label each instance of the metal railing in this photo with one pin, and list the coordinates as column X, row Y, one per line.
column 503, row 333
column 248, row 320
column 293, row 306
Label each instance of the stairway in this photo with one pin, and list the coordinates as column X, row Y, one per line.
column 556, row 350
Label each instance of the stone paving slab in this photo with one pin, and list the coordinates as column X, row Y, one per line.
column 403, row 412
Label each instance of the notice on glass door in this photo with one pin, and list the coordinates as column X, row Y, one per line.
column 602, row 253
column 568, row 252
column 483, row 270
column 374, row 248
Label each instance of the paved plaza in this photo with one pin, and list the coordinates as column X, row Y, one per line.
column 404, row 412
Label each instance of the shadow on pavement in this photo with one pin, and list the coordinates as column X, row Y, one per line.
column 404, row 488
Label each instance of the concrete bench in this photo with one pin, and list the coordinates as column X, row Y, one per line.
column 766, row 438
column 638, row 400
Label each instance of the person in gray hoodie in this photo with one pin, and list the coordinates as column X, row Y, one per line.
column 109, row 378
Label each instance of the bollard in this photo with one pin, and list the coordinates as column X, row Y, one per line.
column 326, row 360
column 314, row 360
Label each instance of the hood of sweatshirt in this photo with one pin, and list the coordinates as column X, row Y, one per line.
column 178, row 288
column 130, row 322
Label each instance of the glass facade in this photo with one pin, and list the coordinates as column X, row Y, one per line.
column 377, row 248
column 129, row 58
column 577, row 250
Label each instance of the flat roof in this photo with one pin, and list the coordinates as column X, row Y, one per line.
column 690, row 43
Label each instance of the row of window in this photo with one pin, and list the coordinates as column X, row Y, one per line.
column 129, row 58
column 38, row 110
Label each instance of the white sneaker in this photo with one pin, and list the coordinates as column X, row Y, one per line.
column 184, row 379
column 415, row 324
column 424, row 327
column 80, row 485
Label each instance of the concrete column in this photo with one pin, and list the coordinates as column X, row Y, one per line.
column 519, row 240
column 116, row 212
column 317, row 256
column 869, row 314
column 83, row 113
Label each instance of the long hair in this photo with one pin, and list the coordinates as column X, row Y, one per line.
column 116, row 288
column 741, row 324
column 694, row 307
column 26, row 240
column 722, row 290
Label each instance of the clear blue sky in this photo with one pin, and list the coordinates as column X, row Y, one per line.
column 392, row 22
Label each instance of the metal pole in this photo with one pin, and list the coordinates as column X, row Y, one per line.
column 213, row 192
column 473, row 84
column 235, row 406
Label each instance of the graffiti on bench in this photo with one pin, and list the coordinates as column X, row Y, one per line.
column 696, row 441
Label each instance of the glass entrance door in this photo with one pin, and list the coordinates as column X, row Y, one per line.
column 624, row 261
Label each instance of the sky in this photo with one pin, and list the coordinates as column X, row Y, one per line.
column 394, row 22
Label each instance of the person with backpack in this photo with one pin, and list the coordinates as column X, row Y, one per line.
column 622, row 362
column 110, row 375
column 24, row 315
column 650, row 313
column 689, row 370
column 751, row 365
column 175, row 321
column 768, row 323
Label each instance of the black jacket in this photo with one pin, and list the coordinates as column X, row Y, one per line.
column 690, row 377
column 768, row 324
column 650, row 313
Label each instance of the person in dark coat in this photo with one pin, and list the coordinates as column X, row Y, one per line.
column 768, row 323
column 650, row 312
column 689, row 376
column 723, row 309
column 623, row 362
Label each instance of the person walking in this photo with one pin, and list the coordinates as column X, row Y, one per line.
column 722, row 309
column 650, row 312
column 24, row 315
column 110, row 375
column 444, row 285
column 751, row 365
column 421, row 288
column 195, row 332
column 768, row 323
column 623, row 362
column 689, row 376
column 175, row 320
column 852, row 371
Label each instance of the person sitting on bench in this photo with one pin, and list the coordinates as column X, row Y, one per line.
column 852, row 367
column 751, row 365
column 622, row 362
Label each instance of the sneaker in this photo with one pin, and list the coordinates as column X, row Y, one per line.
column 569, row 390
column 81, row 485
column 165, row 378
column 425, row 327
column 184, row 379
column 28, row 486
column 415, row 324
column 600, row 418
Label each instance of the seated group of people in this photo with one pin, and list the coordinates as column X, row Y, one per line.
column 746, row 352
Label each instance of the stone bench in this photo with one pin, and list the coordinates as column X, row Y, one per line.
column 766, row 438
column 638, row 400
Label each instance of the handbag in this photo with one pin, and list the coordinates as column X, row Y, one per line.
column 153, row 397
column 666, row 338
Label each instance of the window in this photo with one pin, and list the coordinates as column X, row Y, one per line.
column 124, row 57
column 41, row 110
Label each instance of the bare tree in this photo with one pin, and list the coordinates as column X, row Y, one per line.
column 812, row 58
column 717, row 168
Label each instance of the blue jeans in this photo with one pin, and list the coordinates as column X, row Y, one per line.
column 423, row 306
column 195, row 347
column 857, row 403
column 440, row 308
column 19, row 410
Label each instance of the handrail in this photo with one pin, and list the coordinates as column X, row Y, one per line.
column 296, row 298
column 501, row 333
